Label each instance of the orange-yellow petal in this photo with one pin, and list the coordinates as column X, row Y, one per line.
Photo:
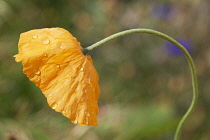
column 53, row 60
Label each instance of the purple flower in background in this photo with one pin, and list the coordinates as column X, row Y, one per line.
column 171, row 49
column 163, row 10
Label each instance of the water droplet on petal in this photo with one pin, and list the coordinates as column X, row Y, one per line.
column 82, row 69
column 63, row 112
column 58, row 66
column 45, row 55
column 46, row 41
column 35, row 36
column 74, row 122
column 37, row 72
column 61, row 47
column 54, row 106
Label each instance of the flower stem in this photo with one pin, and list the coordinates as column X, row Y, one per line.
column 185, row 52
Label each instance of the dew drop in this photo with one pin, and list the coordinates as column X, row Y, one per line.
column 45, row 55
column 82, row 69
column 35, row 36
column 88, row 114
column 46, row 41
column 61, row 47
column 63, row 112
column 74, row 122
column 58, row 66
column 54, row 106
column 37, row 72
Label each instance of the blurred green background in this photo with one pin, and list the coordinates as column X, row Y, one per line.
column 145, row 86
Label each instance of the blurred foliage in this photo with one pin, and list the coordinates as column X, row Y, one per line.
column 144, row 89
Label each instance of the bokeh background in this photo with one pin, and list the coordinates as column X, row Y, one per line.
column 145, row 82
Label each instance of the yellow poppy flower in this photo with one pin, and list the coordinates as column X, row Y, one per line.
column 53, row 60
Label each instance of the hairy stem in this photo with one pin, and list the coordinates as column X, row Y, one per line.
column 185, row 52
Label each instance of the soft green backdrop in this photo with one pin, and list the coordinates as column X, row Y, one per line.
column 144, row 89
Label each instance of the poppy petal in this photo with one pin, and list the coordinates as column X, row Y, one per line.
column 53, row 60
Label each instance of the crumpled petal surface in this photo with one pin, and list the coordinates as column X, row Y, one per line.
column 53, row 60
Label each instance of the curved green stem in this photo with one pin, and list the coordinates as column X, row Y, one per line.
column 185, row 52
